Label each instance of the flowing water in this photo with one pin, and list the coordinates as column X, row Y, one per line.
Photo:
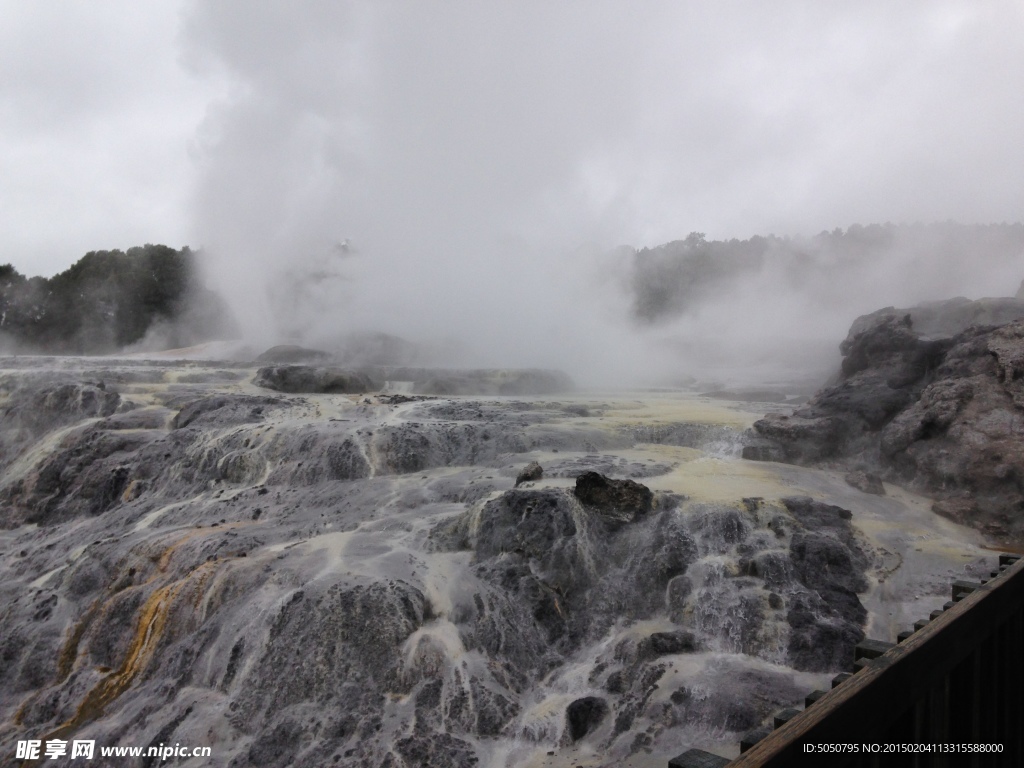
column 354, row 580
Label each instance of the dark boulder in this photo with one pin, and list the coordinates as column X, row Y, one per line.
column 571, row 574
column 32, row 410
column 826, row 618
column 817, row 514
column 829, row 567
column 531, row 472
column 534, row 524
column 308, row 379
column 739, row 698
column 617, row 502
column 941, row 415
column 803, row 437
column 885, row 343
column 414, row 446
column 884, row 369
column 949, row 317
column 325, row 636
column 818, row 641
column 666, row 643
column 772, row 566
column 87, row 473
column 584, row 716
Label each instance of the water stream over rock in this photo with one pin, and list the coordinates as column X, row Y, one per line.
column 357, row 579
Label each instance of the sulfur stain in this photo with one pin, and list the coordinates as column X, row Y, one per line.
column 148, row 631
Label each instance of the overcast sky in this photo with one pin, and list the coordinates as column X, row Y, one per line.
column 178, row 122
column 479, row 157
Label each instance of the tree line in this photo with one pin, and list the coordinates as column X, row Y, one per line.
column 109, row 301
column 673, row 279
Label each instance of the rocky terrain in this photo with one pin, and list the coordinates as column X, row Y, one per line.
column 932, row 398
column 424, row 381
column 317, row 574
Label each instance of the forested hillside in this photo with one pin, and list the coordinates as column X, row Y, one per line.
column 149, row 296
column 675, row 278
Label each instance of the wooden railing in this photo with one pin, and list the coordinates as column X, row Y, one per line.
column 951, row 687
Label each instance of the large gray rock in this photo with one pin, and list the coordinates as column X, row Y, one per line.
column 36, row 408
column 947, row 318
column 584, row 715
column 826, row 621
column 884, row 369
column 615, row 501
column 571, row 570
column 666, row 643
column 304, row 378
column 530, row 473
column 941, row 415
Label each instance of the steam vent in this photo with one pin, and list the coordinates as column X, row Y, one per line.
column 294, row 564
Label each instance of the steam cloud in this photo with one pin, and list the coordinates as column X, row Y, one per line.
column 461, row 172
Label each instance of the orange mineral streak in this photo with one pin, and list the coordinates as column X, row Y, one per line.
column 149, row 629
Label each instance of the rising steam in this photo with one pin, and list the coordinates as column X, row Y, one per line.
column 460, row 175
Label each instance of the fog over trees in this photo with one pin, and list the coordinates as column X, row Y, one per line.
column 148, row 297
column 674, row 279
column 153, row 297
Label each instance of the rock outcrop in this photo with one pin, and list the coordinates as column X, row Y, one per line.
column 309, row 379
column 530, row 473
column 944, row 415
column 571, row 567
column 584, row 715
column 615, row 501
column 424, row 381
column 947, row 318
